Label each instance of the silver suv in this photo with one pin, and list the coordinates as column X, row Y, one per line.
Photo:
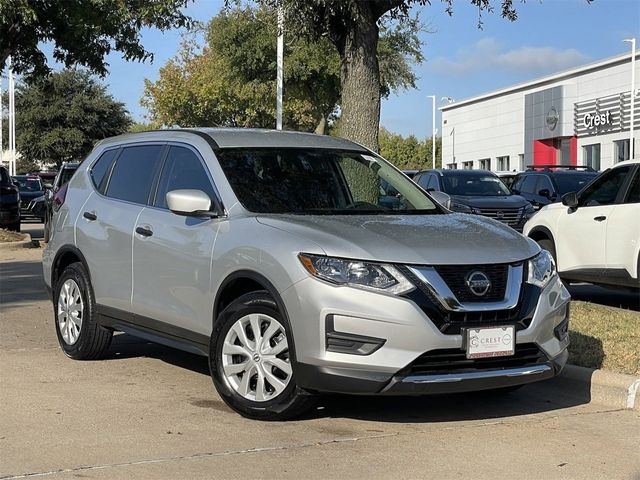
column 298, row 264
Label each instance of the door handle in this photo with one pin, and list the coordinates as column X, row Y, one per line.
column 90, row 216
column 144, row 231
column 601, row 218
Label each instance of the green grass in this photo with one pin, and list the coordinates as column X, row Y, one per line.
column 604, row 337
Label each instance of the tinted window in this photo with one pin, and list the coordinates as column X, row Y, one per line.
column 4, row 176
column 99, row 170
column 634, row 190
column 182, row 170
column 422, row 180
column 605, row 189
column 544, row 184
column 483, row 185
column 529, row 184
column 133, row 173
column 66, row 174
column 433, row 182
column 574, row 182
column 28, row 184
column 320, row 182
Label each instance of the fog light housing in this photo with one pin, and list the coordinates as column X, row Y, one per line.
column 562, row 329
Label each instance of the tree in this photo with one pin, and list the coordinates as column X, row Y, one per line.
column 83, row 32
column 408, row 152
column 231, row 81
column 353, row 26
column 63, row 115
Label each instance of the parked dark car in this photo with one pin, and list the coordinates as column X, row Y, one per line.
column 9, row 202
column 31, row 188
column 62, row 178
column 545, row 184
column 478, row 192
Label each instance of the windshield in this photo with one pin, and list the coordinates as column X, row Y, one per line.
column 305, row 181
column 26, row 184
column 66, row 174
column 574, row 182
column 474, row 185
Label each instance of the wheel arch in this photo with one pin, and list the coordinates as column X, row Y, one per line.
column 65, row 256
column 541, row 233
column 242, row 282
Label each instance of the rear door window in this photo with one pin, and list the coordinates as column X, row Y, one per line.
column 529, row 184
column 183, row 170
column 544, row 184
column 633, row 196
column 433, row 182
column 99, row 170
column 134, row 172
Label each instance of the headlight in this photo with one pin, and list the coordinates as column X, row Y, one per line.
column 541, row 269
column 369, row 276
column 461, row 207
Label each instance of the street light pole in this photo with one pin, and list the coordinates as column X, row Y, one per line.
column 632, row 41
column 12, row 122
column 280, row 67
column 433, row 130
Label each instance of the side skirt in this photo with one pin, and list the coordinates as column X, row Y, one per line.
column 153, row 330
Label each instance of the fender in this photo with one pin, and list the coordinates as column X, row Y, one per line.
column 56, row 264
column 544, row 230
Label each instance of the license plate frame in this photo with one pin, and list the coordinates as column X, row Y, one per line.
column 490, row 341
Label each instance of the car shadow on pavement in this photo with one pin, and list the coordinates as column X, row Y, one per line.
column 555, row 394
column 20, row 282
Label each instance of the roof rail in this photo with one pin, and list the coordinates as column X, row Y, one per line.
column 586, row 168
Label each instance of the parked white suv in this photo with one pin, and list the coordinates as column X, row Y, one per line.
column 594, row 235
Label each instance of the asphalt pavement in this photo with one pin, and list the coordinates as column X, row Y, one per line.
column 149, row 412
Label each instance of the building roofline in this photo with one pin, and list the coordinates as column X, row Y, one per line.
column 616, row 60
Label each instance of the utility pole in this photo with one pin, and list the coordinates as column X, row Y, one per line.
column 433, row 130
column 12, row 122
column 632, row 41
column 280, row 67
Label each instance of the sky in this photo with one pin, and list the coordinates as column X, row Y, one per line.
column 461, row 60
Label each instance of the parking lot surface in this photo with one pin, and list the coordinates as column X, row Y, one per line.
column 151, row 412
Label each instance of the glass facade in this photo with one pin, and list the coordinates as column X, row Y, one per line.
column 591, row 156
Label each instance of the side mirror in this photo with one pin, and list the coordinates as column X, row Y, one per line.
column 545, row 193
column 570, row 200
column 190, row 203
column 442, row 198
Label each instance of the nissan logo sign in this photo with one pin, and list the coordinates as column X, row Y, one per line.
column 478, row 283
column 591, row 120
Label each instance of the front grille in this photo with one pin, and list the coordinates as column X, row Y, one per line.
column 509, row 216
column 455, row 277
column 452, row 323
column 454, row 360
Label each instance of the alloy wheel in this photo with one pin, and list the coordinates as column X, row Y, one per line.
column 70, row 311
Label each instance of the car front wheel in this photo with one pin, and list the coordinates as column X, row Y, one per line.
column 251, row 362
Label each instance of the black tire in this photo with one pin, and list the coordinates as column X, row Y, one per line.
column 292, row 401
column 549, row 246
column 93, row 340
column 15, row 227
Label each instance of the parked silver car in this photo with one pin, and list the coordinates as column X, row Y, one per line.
column 272, row 254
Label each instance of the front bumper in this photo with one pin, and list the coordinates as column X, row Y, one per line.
column 409, row 334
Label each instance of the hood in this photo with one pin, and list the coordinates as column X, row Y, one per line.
column 31, row 195
column 501, row 201
column 411, row 239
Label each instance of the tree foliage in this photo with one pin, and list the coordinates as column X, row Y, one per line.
column 231, row 82
column 61, row 116
column 408, row 152
column 354, row 27
column 82, row 32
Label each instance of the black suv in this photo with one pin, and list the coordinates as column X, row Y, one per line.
column 31, row 189
column 62, row 178
column 9, row 202
column 479, row 192
column 545, row 184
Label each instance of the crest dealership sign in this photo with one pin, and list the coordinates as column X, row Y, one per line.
column 602, row 115
column 595, row 120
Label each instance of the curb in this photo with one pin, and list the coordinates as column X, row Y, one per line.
column 25, row 243
column 611, row 389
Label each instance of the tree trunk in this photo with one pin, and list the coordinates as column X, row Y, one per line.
column 322, row 126
column 360, row 78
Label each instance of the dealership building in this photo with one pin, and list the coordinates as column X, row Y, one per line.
column 577, row 117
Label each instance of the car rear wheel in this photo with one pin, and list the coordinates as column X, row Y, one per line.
column 79, row 334
column 251, row 360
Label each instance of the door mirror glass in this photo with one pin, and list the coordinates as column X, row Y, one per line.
column 189, row 203
column 545, row 193
column 442, row 198
column 570, row 199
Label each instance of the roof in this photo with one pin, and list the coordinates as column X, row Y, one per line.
column 254, row 138
column 540, row 82
column 459, row 172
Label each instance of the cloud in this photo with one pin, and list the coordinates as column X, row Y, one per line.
column 487, row 53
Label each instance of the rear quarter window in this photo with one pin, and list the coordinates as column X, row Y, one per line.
column 99, row 170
